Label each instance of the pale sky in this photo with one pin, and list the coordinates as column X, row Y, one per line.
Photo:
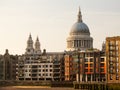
column 51, row 21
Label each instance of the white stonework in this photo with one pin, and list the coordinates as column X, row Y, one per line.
column 79, row 37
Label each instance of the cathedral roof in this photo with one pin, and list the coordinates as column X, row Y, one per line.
column 79, row 27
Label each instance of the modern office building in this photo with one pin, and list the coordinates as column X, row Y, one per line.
column 113, row 57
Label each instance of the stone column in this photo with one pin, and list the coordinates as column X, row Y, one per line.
column 80, row 77
column 78, row 43
column 86, row 78
column 74, row 43
column 91, row 78
column 88, row 44
column 83, row 43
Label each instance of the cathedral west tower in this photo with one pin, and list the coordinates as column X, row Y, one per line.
column 79, row 36
column 37, row 46
column 29, row 49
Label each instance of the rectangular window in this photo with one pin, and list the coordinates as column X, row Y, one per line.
column 102, row 59
column 91, row 70
column 86, row 65
column 86, row 70
column 102, row 70
column 91, row 59
column 50, row 65
column 102, row 64
column 110, row 77
column 50, row 74
column 86, row 60
column 91, row 65
column 50, row 70
column 117, row 77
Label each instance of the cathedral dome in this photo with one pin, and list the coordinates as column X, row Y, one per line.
column 80, row 28
column 79, row 36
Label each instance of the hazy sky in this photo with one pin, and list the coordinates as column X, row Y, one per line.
column 51, row 21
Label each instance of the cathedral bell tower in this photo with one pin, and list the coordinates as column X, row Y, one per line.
column 29, row 49
column 37, row 46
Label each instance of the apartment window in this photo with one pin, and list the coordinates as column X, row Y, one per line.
column 50, row 74
column 86, row 65
column 102, row 59
column 102, row 64
column 46, row 65
column 43, row 70
column 110, row 77
column 117, row 77
column 111, row 52
column 91, row 59
column 91, row 70
column 46, row 70
column 46, row 74
column 102, row 70
column 40, row 70
column 111, row 65
column 111, row 71
column 50, row 70
column 50, row 65
column 29, row 74
column 91, row 65
column 86, row 70
column 40, row 66
column 39, row 74
column 86, row 60
column 111, row 47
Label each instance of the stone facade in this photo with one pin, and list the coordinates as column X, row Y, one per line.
column 79, row 37
column 8, row 66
